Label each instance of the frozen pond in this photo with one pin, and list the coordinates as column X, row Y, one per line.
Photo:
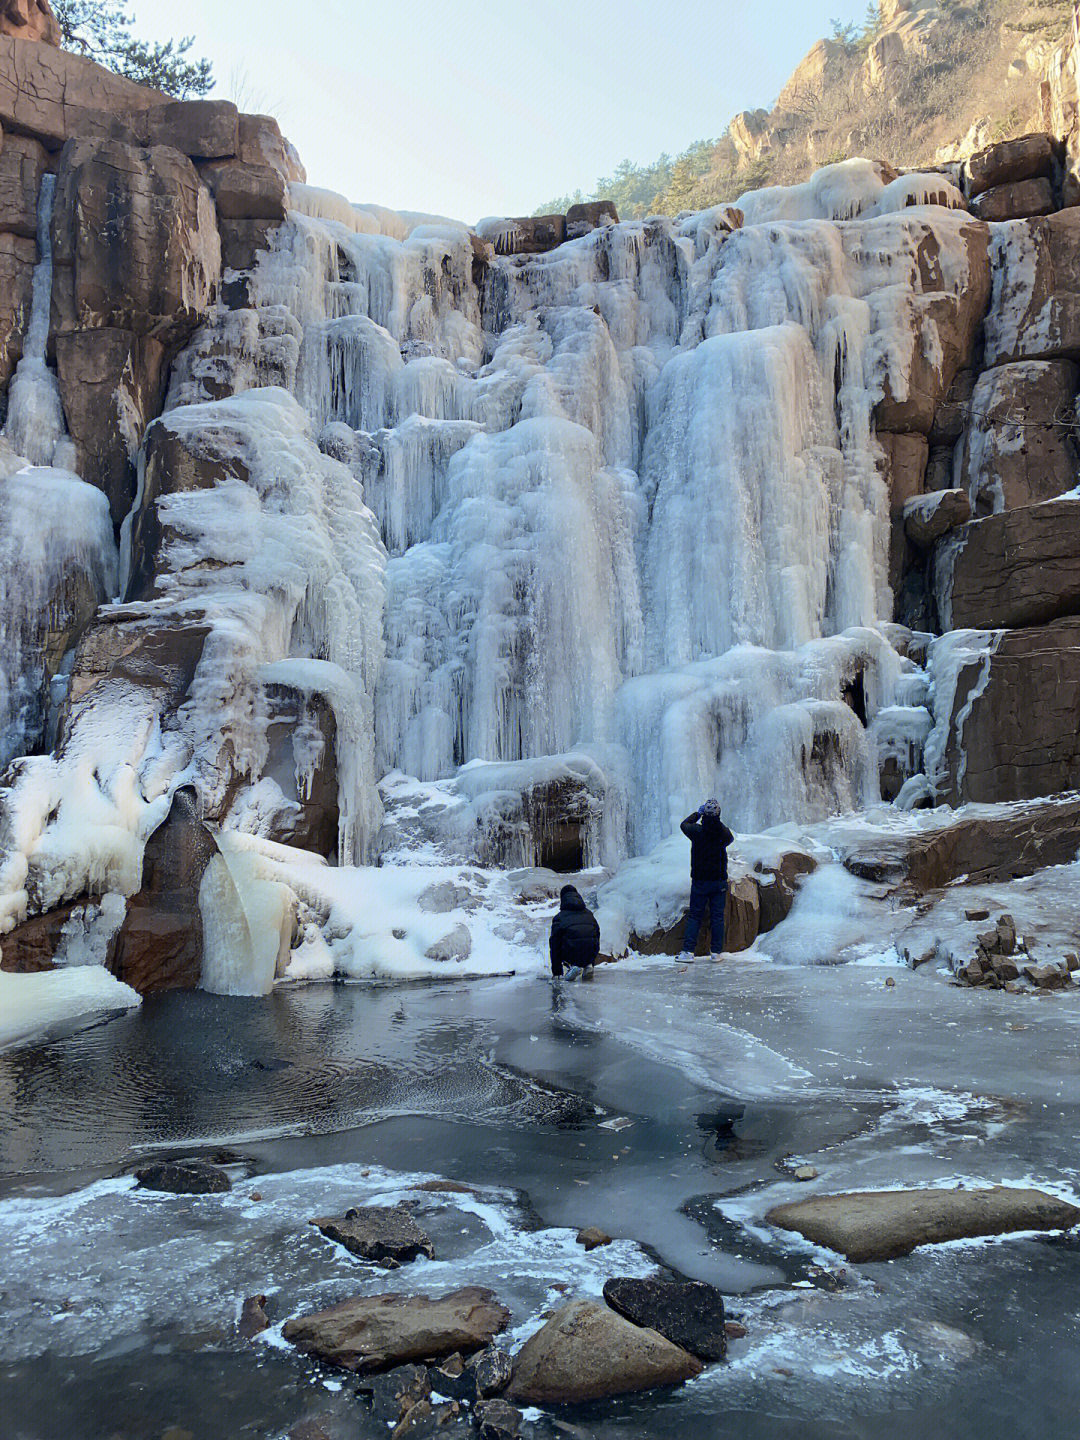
column 666, row 1106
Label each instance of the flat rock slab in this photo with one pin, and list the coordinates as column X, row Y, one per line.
column 184, row 1177
column 687, row 1312
column 387, row 1235
column 880, row 1225
column 587, row 1352
column 370, row 1333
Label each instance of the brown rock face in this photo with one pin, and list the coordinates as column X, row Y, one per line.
column 18, row 256
column 1034, row 311
column 22, row 161
column 1019, row 447
column 1010, row 162
column 262, row 143
column 587, row 1352
column 929, row 517
column 1021, row 201
column 200, row 129
column 247, row 192
column 580, row 219
column 1020, row 739
column 376, row 1332
column 1021, row 567
column 904, row 472
column 29, row 20
column 137, row 258
column 159, row 946
column 884, row 1224
column 50, row 93
column 1016, row 840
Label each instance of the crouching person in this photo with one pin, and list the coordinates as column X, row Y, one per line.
column 575, row 937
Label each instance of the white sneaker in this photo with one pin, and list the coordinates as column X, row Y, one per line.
column 573, row 972
column 684, row 957
column 715, row 958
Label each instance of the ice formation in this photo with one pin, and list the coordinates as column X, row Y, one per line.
column 610, row 517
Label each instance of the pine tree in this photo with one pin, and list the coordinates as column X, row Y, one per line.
column 101, row 29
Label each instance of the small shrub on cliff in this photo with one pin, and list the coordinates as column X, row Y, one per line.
column 101, row 29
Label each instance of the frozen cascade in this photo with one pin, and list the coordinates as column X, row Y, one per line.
column 35, row 420
column 614, row 511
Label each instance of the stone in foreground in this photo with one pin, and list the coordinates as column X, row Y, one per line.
column 387, row 1235
column 370, row 1333
column 881, row 1225
column 587, row 1352
column 184, row 1177
column 688, row 1313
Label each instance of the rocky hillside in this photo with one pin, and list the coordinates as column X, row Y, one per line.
column 931, row 81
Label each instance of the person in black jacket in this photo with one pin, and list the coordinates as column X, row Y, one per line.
column 575, row 937
column 709, row 840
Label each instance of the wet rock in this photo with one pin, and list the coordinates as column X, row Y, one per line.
column 455, row 945
column 370, row 1333
column 976, row 914
column 593, row 1238
column 425, row 1420
column 394, row 1394
column 1020, row 567
column 253, row 1317
column 491, row 1372
column 587, row 1352
column 735, row 1330
column 387, row 1235
column 807, row 1172
column 184, row 1177
column 688, row 1313
column 497, row 1420
column 451, row 1380
column 885, row 1224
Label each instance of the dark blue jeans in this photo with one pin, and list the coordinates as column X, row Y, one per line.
column 712, row 893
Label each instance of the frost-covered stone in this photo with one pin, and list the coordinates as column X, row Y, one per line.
column 928, row 517
column 387, row 1235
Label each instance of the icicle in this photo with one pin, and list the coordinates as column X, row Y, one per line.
column 35, row 420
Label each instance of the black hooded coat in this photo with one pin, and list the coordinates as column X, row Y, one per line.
column 709, row 840
column 575, row 935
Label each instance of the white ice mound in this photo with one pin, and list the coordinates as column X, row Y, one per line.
column 30, row 1004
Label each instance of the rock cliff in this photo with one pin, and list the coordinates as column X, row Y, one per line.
column 364, row 536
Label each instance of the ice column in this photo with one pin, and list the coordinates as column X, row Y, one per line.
column 35, row 420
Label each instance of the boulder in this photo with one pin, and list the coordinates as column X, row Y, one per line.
column 1019, row 567
column 22, row 164
column 428, row 1421
column 1019, row 447
column 18, row 256
column 928, row 517
column 742, row 916
column 587, row 1352
column 1049, row 977
column 593, row 1238
column 247, row 192
column 253, row 1317
column 53, row 94
column 1014, row 841
column 1018, row 201
column 29, row 20
column 1034, row 310
column 526, row 234
column 387, row 1235
column 394, row 1394
column 184, row 1177
column 370, row 1333
column 497, row 1420
column 199, row 129
column 160, row 943
column 884, row 1224
column 454, row 946
column 1010, row 161
column 262, row 143
column 689, row 1313
column 1013, row 732
column 491, row 1371
column 591, row 215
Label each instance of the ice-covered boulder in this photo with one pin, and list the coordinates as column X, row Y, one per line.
column 1019, row 446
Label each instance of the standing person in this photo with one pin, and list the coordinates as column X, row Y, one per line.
column 575, row 937
column 709, row 840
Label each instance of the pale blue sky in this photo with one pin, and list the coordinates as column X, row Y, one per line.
column 492, row 108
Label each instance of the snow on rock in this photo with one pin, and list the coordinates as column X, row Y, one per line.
column 30, row 1004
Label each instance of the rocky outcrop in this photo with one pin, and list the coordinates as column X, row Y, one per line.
column 1011, row 162
column 385, row 1234
column 884, row 1224
column 199, row 129
column 184, row 1177
column 1018, row 738
column 22, row 164
column 29, row 20
column 262, row 143
column 1014, row 840
column 928, row 517
column 137, row 264
column 1034, row 311
column 1021, row 201
column 587, row 1352
column 53, row 94
column 18, row 256
column 376, row 1332
column 1019, row 446
column 1020, row 567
